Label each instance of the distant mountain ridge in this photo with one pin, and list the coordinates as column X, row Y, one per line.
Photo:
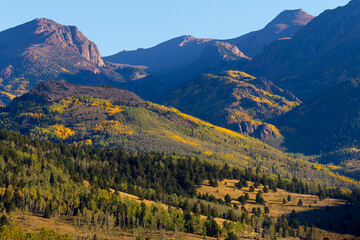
column 180, row 52
column 165, row 57
column 40, row 36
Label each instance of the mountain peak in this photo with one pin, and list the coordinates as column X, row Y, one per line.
column 292, row 17
column 284, row 25
column 47, row 31
column 40, row 50
column 44, row 20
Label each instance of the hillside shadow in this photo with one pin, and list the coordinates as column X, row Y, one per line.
column 86, row 77
column 343, row 219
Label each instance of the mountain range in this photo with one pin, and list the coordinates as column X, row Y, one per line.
column 179, row 60
column 276, row 84
column 180, row 52
column 179, row 129
column 285, row 25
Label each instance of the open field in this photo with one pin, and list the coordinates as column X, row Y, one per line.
column 331, row 213
column 274, row 200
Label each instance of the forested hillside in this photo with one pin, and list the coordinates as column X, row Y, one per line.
column 59, row 180
column 113, row 118
column 237, row 101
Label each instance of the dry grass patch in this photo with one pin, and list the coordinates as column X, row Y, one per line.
column 31, row 223
column 274, row 200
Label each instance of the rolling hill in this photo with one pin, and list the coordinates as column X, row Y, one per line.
column 237, row 101
column 114, row 118
column 63, row 191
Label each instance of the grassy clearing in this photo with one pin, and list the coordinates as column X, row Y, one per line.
column 325, row 213
column 274, row 200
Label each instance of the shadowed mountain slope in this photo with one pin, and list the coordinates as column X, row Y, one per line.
column 325, row 52
column 286, row 24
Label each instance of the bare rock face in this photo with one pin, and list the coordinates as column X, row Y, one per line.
column 226, row 51
column 43, row 50
column 68, row 36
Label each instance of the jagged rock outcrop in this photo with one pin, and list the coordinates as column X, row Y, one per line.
column 68, row 36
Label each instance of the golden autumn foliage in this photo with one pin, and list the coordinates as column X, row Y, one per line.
column 343, row 178
column 112, row 127
column 238, row 74
column 208, row 152
column 110, row 109
column 33, row 115
column 86, row 142
column 56, row 131
column 11, row 96
column 65, row 70
column 61, row 131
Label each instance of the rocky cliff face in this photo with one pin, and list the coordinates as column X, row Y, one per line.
column 48, row 39
column 70, row 37
column 42, row 50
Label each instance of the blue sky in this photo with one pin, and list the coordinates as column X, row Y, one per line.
column 116, row 25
